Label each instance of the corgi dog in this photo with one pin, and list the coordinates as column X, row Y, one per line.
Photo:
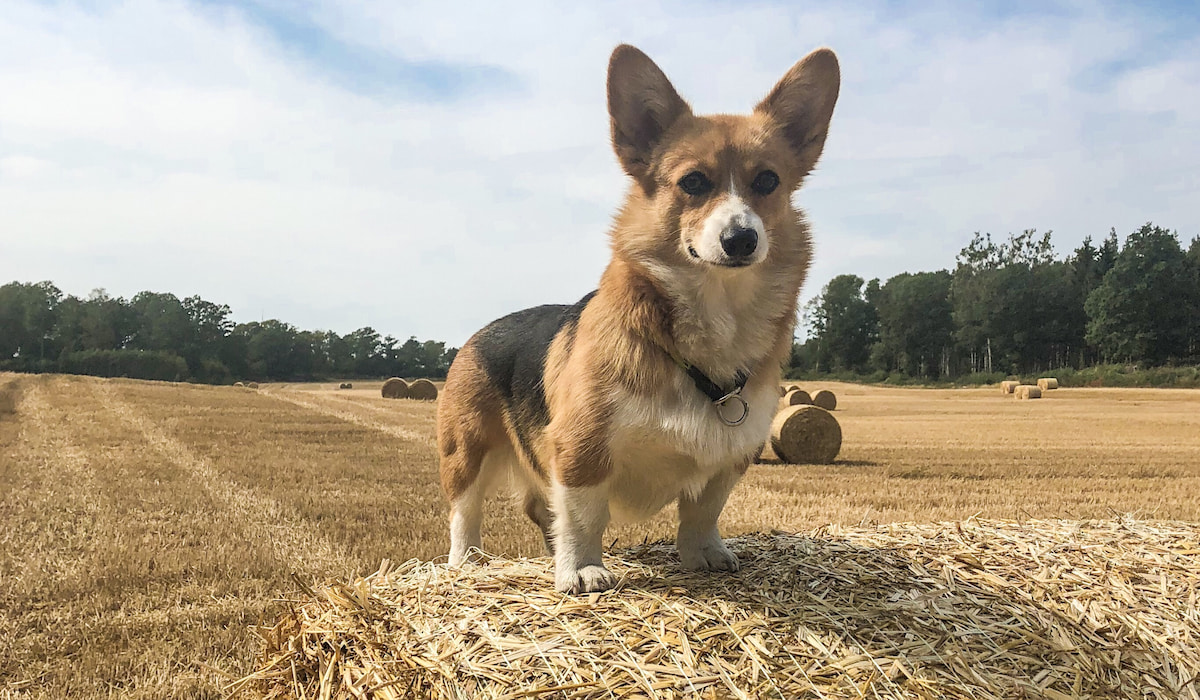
column 660, row 386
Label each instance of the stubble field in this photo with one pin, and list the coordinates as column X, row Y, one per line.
column 145, row 527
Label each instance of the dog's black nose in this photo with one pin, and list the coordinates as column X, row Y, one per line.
column 739, row 242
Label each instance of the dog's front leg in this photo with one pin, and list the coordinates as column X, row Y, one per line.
column 580, row 516
column 699, row 543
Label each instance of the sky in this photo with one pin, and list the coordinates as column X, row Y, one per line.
column 425, row 167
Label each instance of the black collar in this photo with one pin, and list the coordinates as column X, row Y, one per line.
column 719, row 397
column 707, row 386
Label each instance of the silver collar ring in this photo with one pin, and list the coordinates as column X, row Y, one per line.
column 732, row 398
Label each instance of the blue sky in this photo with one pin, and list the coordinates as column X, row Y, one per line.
column 425, row 167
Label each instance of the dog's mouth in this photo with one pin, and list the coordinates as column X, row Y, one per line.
column 723, row 263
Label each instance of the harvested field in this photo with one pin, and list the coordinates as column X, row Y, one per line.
column 145, row 526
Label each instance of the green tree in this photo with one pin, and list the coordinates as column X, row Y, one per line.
column 916, row 326
column 270, row 349
column 1143, row 309
column 1009, row 303
column 1193, row 257
column 369, row 352
column 100, row 322
column 1087, row 265
column 338, row 354
column 844, row 324
column 209, row 326
column 162, row 322
column 28, row 316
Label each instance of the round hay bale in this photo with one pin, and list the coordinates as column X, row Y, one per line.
column 1008, row 386
column 806, row 435
column 797, row 397
column 782, row 391
column 1028, row 391
column 1047, row 383
column 427, row 630
column 345, row 385
column 825, row 399
column 423, row 390
column 252, row 385
column 395, row 388
column 790, row 387
column 239, row 384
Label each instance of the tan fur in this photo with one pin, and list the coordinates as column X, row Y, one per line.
column 470, row 422
column 626, row 424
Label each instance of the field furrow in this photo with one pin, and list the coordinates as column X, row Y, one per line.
column 123, row 567
column 295, row 544
column 368, row 416
column 51, row 507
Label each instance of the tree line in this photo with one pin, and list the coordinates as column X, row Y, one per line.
column 1011, row 307
column 1008, row 307
column 160, row 336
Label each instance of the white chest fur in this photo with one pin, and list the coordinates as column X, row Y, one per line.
column 673, row 444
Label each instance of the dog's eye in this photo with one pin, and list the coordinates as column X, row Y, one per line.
column 765, row 182
column 695, row 183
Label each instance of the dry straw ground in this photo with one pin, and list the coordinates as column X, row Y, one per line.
column 144, row 527
column 980, row 609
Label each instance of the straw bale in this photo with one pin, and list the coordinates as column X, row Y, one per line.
column 1028, row 391
column 239, row 384
column 345, row 385
column 790, row 387
column 796, row 397
column 395, row 388
column 1047, row 383
column 422, row 389
column 825, row 399
column 981, row 609
column 252, row 385
column 1008, row 386
column 805, row 435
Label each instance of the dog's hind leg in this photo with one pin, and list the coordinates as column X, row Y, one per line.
column 466, row 510
column 466, row 521
column 473, row 446
column 539, row 512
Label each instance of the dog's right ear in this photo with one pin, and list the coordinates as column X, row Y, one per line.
column 642, row 105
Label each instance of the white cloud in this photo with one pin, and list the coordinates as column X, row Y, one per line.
column 188, row 148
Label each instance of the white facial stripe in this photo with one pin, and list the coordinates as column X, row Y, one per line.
column 732, row 213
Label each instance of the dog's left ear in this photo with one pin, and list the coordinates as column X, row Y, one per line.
column 801, row 103
column 642, row 106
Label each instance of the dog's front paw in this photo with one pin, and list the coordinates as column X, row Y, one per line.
column 587, row 579
column 709, row 555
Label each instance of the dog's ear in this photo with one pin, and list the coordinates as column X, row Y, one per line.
column 801, row 104
column 642, row 105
